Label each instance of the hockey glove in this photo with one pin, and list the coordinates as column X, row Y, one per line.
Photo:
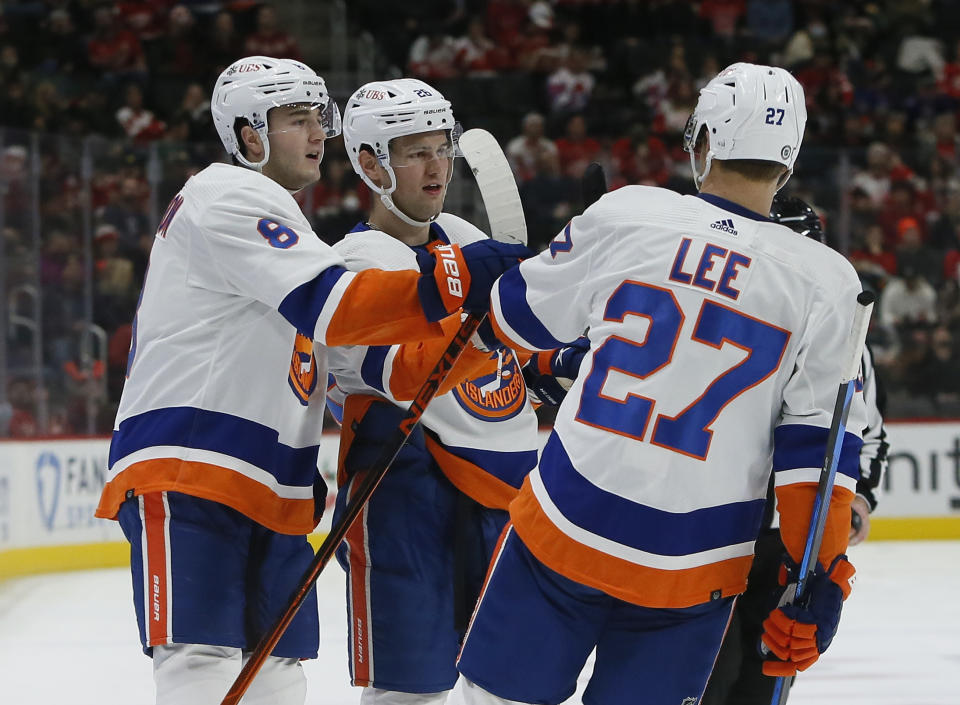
column 797, row 634
column 549, row 375
column 453, row 277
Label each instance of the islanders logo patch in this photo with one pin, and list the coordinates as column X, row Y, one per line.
column 497, row 396
column 303, row 369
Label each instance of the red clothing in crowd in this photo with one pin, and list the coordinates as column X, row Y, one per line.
column 276, row 43
column 118, row 52
column 576, row 154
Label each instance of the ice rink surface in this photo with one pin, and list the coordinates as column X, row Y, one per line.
column 70, row 639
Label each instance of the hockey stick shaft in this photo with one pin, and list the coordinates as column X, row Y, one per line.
column 353, row 508
column 828, row 472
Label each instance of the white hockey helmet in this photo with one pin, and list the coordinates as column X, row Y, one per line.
column 749, row 112
column 380, row 111
column 251, row 86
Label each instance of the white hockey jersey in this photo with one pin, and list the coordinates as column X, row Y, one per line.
column 716, row 339
column 483, row 431
column 221, row 399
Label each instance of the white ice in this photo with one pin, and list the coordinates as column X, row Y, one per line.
column 71, row 638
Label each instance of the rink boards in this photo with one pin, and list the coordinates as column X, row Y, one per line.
column 49, row 490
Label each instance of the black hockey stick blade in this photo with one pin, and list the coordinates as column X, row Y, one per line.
column 593, row 184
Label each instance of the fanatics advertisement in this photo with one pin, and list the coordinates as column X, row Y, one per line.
column 50, row 489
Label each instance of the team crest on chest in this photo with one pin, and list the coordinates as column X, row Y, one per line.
column 497, row 396
column 303, row 369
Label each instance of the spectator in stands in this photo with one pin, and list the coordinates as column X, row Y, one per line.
column 723, row 16
column 871, row 259
column 115, row 52
column 127, row 213
column 475, row 54
column 549, row 200
column 769, row 22
column 14, row 106
column 22, row 421
column 903, row 201
column 937, row 374
column 115, row 290
column 908, row 299
column 570, row 87
column 269, row 39
column 913, row 256
column 223, row 45
column 639, row 158
column 506, row 20
column 178, row 55
column 432, row 56
column 11, row 69
column 945, row 229
column 195, row 110
column 62, row 51
column 138, row 123
column 145, row 18
column 875, row 179
column 48, row 107
column 575, row 148
column 526, row 150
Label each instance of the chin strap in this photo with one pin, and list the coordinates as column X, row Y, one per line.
column 393, row 208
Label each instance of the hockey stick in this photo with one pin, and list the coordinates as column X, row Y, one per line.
column 498, row 188
column 828, row 473
column 593, row 184
column 489, row 173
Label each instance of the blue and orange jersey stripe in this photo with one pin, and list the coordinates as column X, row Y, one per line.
column 217, row 456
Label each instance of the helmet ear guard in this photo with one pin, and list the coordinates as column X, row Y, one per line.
column 750, row 112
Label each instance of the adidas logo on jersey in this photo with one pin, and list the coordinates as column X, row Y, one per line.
column 726, row 225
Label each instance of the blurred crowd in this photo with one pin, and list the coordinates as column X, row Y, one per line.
column 124, row 88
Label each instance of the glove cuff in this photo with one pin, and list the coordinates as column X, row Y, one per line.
column 434, row 307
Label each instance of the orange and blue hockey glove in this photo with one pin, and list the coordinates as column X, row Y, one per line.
column 796, row 634
column 454, row 277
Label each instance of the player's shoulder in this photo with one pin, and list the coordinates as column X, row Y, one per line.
column 828, row 270
column 369, row 248
column 225, row 184
column 458, row 230
column 626, row 200
column 621, row 211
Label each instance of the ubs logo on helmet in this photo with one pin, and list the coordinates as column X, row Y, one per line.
column 371, row 94
column 494, row 398
column 245, row 68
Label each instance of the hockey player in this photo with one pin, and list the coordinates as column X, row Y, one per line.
column 416, row 558
column 213, row 464
column 715, row 339
column 737, row 677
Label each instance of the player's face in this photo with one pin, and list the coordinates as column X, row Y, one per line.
column 422, row 164
column 296, row 146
